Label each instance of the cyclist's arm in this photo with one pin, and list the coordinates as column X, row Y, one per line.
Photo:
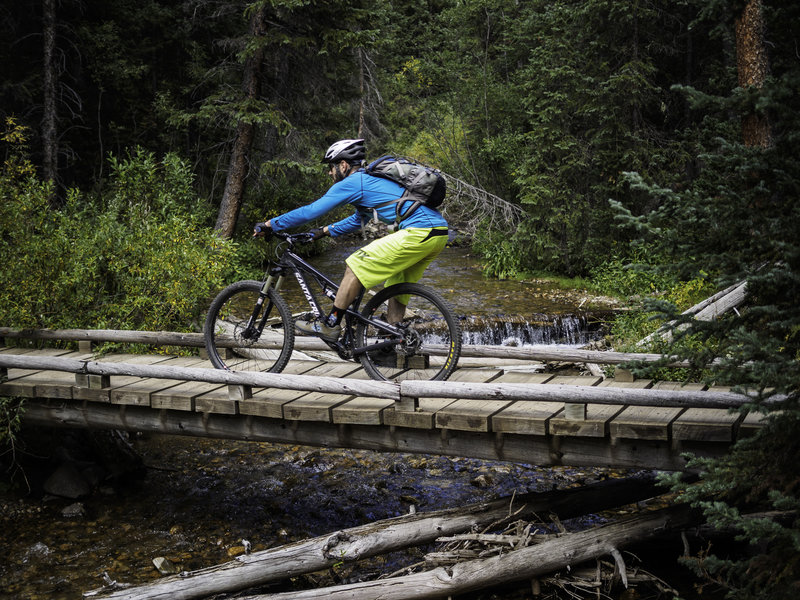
column 348, row 225
column 340, row 193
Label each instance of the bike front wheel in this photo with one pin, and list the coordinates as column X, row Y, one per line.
column 430, row 344
column 246, row 330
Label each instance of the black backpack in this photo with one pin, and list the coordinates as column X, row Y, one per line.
column 423, row 185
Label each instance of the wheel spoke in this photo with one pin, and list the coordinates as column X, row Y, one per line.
column 232, row 337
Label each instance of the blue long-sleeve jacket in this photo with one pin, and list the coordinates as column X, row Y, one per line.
column 364, row 192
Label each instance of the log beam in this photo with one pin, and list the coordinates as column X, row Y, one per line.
column 381, row 537
column 518, row 565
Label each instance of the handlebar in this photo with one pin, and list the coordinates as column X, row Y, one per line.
column 294, row 238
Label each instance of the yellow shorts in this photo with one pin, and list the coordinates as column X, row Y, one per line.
column 399, row 257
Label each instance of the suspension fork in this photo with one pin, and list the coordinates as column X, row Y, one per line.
column 262, row 296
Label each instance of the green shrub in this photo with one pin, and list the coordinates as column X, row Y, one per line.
column 137, row 257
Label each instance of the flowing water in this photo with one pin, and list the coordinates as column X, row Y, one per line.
column 493, row 311
column 197, row 500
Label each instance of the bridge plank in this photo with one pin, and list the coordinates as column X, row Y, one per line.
column 471, row 415
column 181, row 397
column 598, row 416
column 641, row 422
column 317, row 406
column 140, row 393
column 751, row 423
column 425, row 415
column 24, row 382
column 268, row 402
column 216, row 401
column 705, row 424
column 529, row 418
column 361, row 410
column 104, row 394
column 56, row 384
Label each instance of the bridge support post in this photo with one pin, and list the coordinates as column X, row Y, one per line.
column 574, row 412
column 406, row 404
column 238, row 393
column 623, row 375
column 92, row 382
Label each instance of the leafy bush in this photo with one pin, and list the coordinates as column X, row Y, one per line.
column 137, row 257
column 501, row 257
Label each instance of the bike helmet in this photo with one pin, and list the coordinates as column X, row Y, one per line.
column 352, row 151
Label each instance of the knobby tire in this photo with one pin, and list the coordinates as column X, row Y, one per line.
column 433, row 338
column 228, row 314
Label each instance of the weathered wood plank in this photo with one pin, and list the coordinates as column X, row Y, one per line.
column 706, row 424
column 597, row 416
column 363, row 410
column 471, row 415
column 751, row 423
column 56, row 384
column 119, row 382
column 529, row 418
column 317, row 406
column 641, row 422
column 424, row 417
column 217, row 401
column 182, row 396
column 644, row 423
column 96, row 394
column 23, row 382
column 139, row 393
column 268, row 402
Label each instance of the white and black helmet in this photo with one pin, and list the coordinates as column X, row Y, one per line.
column 352, row 151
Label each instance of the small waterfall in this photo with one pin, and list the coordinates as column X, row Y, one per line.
column 572, row 330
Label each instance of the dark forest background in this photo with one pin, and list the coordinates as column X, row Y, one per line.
column 650, row 146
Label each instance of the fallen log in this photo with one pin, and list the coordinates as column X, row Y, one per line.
column 706, row 310
column 517, row 565
column 382, row 537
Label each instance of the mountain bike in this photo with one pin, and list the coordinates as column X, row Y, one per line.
column 249, row 326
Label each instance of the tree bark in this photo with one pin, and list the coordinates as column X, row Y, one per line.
column 49, row 135
column 518, row 565
column 385, row 536
column 752, row 68
column 245, row 132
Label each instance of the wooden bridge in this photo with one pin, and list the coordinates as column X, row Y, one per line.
column 491, row 408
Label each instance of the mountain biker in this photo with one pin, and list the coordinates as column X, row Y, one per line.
column 399, row 257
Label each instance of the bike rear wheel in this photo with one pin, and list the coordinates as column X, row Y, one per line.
column 431, row 343
column 246, row 331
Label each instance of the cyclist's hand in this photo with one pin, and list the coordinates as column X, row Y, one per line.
column 262, row 230
column 317, row 232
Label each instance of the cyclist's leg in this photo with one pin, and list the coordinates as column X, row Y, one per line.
column 348, row 290
column 400, row 257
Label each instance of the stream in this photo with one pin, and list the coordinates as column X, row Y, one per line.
column 494, row 311
column 198, row 502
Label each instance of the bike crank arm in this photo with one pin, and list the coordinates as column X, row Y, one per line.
column 378, row 346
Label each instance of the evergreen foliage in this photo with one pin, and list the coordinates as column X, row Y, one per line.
column 738, row 219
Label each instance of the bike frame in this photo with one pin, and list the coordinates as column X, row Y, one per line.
column 291, row 263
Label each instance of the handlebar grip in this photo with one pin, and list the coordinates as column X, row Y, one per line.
column 262, row 228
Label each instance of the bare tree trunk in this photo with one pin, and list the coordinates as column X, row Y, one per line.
column 752, row 67
column 49, row 136
column 245, row 132
column 516, row 565
column 362, row 93
column 381, row 537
